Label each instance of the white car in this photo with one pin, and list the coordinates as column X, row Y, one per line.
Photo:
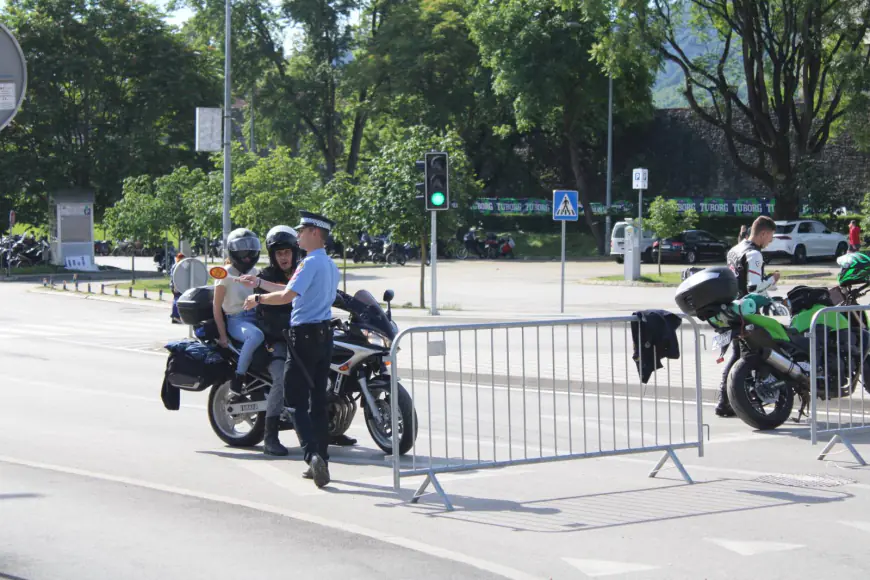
column 797, row 240
column 617, row 243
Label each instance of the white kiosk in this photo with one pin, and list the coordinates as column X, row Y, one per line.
column 71, row 229
column 632, row 256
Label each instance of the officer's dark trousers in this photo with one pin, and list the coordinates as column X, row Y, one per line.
column 733, row 357
column 311, row 347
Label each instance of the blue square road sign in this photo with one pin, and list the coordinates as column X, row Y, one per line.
column 565, row 206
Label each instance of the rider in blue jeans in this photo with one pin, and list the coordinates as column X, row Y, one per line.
column 229, row 298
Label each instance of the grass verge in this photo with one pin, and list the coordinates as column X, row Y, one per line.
column 674, row 278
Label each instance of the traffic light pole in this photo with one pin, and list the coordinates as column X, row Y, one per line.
column 433, row 251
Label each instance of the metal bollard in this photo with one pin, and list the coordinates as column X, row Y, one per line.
column 131, row 291
column 160, row 294
column 51, row 282
column 64, row 285
column 89, row 287
column 145, row 293
column 44, row 282
column 76, row 282
column 116, row 291
column 102, row 288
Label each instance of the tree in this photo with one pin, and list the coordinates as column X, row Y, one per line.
column 802, row 62
column 273, row 191
column 170, row 202
column 341, row 202
column 665, row 221
column 137, row 216
column 540, row 55
column 111, row 94
column 388, row 193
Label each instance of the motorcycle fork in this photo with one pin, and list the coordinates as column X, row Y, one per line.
column 370, row 399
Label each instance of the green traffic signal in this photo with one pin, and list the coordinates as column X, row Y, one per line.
column 438, row 198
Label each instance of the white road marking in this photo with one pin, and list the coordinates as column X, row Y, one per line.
column 598, row 568
column 422, row 547
column 863, row 526
column 752, row 548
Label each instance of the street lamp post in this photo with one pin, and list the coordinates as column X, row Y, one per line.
column 228, row 126
column 607, row 222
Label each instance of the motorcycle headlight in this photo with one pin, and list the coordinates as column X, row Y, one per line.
column 376, row 339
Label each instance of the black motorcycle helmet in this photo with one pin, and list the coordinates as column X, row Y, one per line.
column 282, row 238
column 244, row 249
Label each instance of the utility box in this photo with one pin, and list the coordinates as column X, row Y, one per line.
column 71, row 229
column 632, row 257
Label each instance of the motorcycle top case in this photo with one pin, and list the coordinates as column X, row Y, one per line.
column 703, row 294
column 195, row 305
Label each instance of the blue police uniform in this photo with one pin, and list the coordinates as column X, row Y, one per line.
column 315, row 281
column 309, row 344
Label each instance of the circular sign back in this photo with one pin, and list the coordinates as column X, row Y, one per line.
column 189, row 273
column 13, row 76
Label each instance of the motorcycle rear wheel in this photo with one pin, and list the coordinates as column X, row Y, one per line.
column 746, row 403
column 225, row 426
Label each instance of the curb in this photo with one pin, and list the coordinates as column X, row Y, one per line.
column 784, row 281
column 82, row 276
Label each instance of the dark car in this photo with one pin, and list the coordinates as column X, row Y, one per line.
column 691, row 246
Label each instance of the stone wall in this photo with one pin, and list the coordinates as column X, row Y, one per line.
column 687, row 157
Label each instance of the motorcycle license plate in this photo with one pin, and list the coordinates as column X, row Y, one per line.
column 722, row 340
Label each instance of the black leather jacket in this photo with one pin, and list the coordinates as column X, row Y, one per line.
column 273, row 320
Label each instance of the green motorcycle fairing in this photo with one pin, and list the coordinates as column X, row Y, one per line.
column 833, row 320
column 776, row 330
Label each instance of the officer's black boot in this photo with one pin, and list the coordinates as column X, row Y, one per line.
column 237, row 384
column 271, row 444
column 723, row 409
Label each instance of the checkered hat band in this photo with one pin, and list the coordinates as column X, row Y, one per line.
column 316, row 223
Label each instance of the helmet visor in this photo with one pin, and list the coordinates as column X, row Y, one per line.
column 251, row 244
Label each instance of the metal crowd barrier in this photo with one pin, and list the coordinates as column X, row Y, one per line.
column 849, row 413
column 504, row 394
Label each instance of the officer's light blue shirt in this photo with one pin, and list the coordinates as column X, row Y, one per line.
column 315, row 281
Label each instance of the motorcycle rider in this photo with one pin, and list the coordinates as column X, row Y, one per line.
column 747, row 263
column 284, row 256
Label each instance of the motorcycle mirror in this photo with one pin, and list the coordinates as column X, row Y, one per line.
column 389, row 295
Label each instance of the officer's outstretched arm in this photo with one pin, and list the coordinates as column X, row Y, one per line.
column 285, row 296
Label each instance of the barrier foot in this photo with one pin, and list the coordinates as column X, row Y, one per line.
column 677, row 463
column 837, row 438
column 421, row 491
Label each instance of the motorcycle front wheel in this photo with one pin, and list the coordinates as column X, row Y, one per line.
column 381, row 426
column 239, row 430
column 746, row 383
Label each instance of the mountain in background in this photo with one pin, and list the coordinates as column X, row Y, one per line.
column 670, row 83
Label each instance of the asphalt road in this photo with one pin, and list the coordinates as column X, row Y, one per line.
column 98, row 480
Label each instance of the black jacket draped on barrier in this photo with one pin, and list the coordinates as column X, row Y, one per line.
column 658, row 331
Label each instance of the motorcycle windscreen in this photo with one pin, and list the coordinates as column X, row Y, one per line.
column 368, row 313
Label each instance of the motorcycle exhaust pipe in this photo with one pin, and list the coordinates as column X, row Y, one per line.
column 784, row 366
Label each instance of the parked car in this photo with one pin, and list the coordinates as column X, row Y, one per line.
column 797, row 240
column 690, row 246
column 617, row 243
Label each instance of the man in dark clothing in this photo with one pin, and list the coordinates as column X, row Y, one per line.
column 284, row 256
column 747, row 263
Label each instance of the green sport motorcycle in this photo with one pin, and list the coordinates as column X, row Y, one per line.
column 774, row 363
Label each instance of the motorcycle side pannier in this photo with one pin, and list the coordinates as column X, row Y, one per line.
column 195, row 305
column 703, row 294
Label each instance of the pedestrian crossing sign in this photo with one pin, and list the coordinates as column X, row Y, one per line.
column 565, row 206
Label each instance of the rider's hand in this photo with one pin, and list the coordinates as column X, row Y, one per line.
column 776, row 276
column 250, row 302
column 223, row 341
column 248, row 280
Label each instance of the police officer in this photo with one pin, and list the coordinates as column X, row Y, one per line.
column 312, row 289
column 747, row 263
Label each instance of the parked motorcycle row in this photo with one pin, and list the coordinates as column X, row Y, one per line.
column 24, row 250
column 774, row 365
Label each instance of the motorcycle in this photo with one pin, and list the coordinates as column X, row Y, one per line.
column 358, row 372
column 774, row 363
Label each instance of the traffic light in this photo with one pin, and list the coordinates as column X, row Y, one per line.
column 437, row 185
